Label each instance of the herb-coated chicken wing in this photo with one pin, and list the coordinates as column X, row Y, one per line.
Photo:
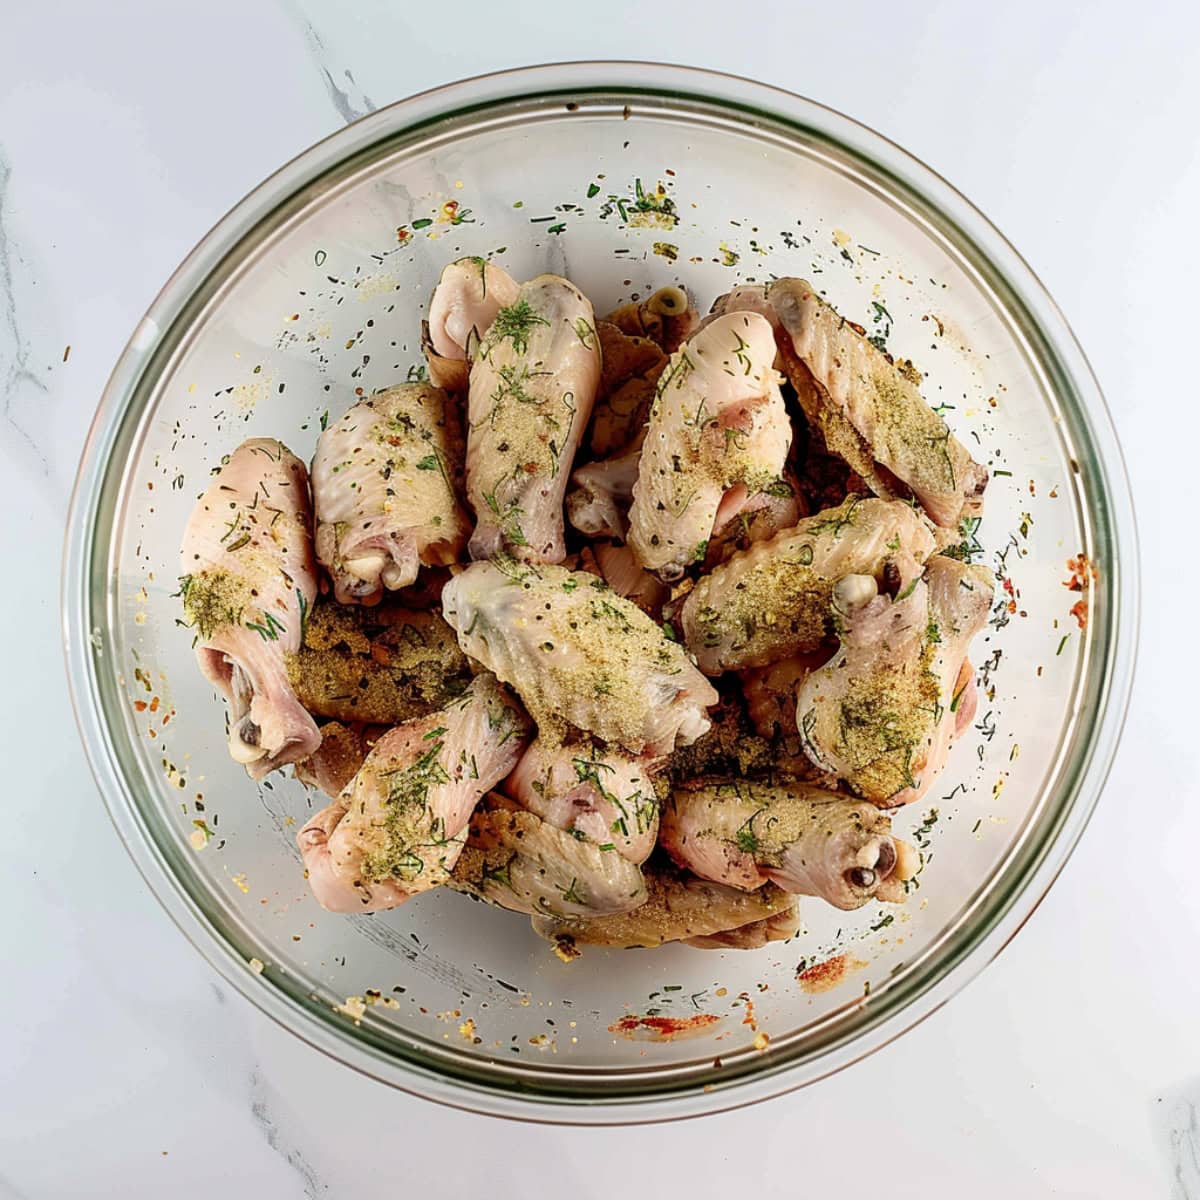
column 579, row 654
column 248, row 580
column 802, row 838
column 533, row 382
column 385, row 488
column 518, row 861
column 465, row 302
column 597, row 794
column 399, row 825
column 678, row 907
column 772, row 600
column 718, row 432
column 882, row 712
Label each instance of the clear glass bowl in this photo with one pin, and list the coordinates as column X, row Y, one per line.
column 313, row 287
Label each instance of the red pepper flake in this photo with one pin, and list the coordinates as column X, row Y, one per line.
column 403, row 235
column 166, row 718
column 825, row 976
column 154, row 704
column 139, row 706
column 748, row 1019
column 1083, row 575
column 662, row 1029
column 450, row 209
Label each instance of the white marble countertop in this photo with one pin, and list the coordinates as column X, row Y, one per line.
column 1070, row 1068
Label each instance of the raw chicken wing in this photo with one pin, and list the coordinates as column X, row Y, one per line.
column 882, row 713
column 598, row 505
column 385, row 488
column 805, row 840
column 578, row 653
column 630, row 367
column 518, row 861
column 718, row 433
column 248, row 579
column 678, row 907
column 399, row 826
column 532, row 386
column 869, row 411
column 666, row 316
column 598, row 795
column 772, row 600
column 379, row 665
column 465, row 302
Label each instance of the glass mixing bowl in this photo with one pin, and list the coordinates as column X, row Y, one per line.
column 312, row 289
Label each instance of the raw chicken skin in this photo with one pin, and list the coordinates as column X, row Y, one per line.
column 532, row 386
column 248, row 579
column 862, row 400
column 465, row 302
column 620, row 570
column 602, row 796
column 803, row 839
column 385, row 487
column 516, row 860
column 776, row 507
column 404, row 814
column 718, row 432
column 598, row 505
column 772, row 600
column 882, row 713
column 578, row 653
column 678, row 907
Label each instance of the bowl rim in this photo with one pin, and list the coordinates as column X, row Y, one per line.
column 1008, row 275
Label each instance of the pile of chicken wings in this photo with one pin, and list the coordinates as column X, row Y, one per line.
column 638, row 626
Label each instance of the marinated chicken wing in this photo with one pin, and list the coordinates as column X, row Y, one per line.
column 868, row 411
column 805, row 840
column 598, row 505
column 385, row 488
column 518, row 861
column 533, row 382
column 598, row 795
column 881, row 714
column 465, row 302
column 248, row 578
column 578, row 653
column 666, row 316
column 678, row 907
column 379, row 665
column 772, row 600
column 399, row 826
column 718, row 432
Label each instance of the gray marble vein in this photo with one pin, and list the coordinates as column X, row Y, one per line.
column 350, row 101
column 20, row 382
column 292, row 1155
column 1183, row 1141
column 8, row 1190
